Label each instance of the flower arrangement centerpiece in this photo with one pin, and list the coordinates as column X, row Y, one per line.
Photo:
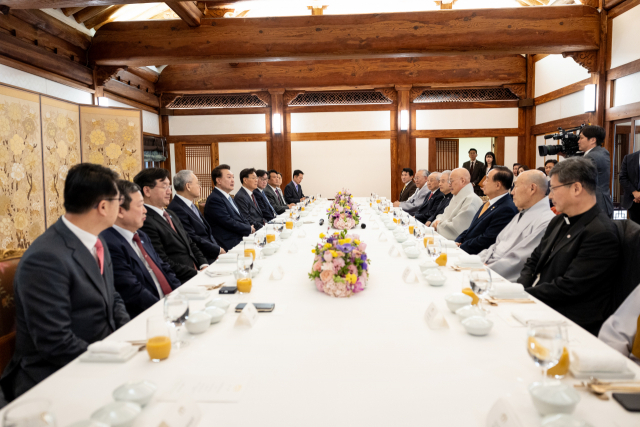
column 343, row 214
column 340, row 266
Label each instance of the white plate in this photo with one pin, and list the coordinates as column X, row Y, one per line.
column 627, row 374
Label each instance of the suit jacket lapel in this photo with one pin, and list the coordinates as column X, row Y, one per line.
column 573, row 233
column 135, row 256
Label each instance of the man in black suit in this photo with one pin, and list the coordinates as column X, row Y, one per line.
column 222, row 213
column 493, row 216
column 64, row 293
column 141, row 277
column 572, row 269
column 246, row 201
column 268, row 211
column 164, row 228
column 409, row 186
column 274, row 194
column 445, row 189
column 432, row 201
column 293, row 191
column 590, row 142
column 476, row 170
column 630, row 181
column 187, row 188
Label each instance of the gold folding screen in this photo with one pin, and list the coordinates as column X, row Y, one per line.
column 40, row 139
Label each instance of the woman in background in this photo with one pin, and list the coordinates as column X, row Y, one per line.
column 489, row 161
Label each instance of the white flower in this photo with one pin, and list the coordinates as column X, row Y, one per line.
column 17, row 171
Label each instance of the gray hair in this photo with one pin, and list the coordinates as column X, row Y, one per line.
column 425, row 172
column 447, row 172
column 181, row 179
column 577, row 169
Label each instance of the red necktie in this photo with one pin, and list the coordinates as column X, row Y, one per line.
column 254, row 200
column 100, row 255
column 168, row 218
column 164, row 285
column 430, row 195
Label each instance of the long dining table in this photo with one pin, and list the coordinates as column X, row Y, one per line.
column 367, row 360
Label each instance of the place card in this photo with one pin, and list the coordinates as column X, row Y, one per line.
column 248, row 316
column 293, row 249
column 503, row 414
column 409, row 276
column 375, row 226
column 382, row 237
column 394, row 251
column 435, row 319
column 277, row 273
column 184, row 413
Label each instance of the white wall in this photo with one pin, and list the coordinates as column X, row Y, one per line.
column 624, row 38
column 567, row 106
column 150, row 121
column 510, row 151
column 627, row 90
column 241, row 155
column 555, row 72
column 422, row 152
column 361, row 165
column 352, row 121
column 14, row 77
column 482, row 146
column 217, row 124
column 478, row 118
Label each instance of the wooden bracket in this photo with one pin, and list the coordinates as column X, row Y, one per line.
column 389, row 93
column 290, row 96
column 102, row 74
column 416, row 92
column 263, row 96
column 587, row 59
column 518, row 90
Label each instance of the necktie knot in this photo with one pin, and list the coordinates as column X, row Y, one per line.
column 100, row 255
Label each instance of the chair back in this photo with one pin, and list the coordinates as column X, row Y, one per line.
column 8, row 265
column 628, row 274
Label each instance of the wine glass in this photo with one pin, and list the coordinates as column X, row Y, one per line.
column 434, row 247
column 176, row 311
column 545, row 342
column 29, row 413
column 158, row 338
column 480, row 281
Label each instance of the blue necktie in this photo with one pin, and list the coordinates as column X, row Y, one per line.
column 268, row 203
column 233, row 204
column 196, row 211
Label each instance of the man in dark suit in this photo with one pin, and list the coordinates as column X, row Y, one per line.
column 493, row 216
column 293, row 191
column 164, row 228
column 274, row 194
column 432, row 201
column 409, row 186
column 141, row 277
column 268, row 211
column 246, row 201
column 64, row 293
column 476, row 170
column 573, row 268
column 590, row 142
column 221, row 212
column 187, row 188
column 444, row 187
column 630, row 181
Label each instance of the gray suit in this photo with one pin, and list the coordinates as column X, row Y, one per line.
column 602, row 160
column 412, row 205
column 277, row 202
column 63, row 304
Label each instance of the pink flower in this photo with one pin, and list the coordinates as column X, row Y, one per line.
column 353, row 269
column 354, row 236
column 356, row 253
column 319, row 285
column 327, row 256
column 338, row 262
column 340, row 208
column 362, row 246
column 317, row 266
column 337, row 289
column 339, row 253
column 358, row 286
column 326, row 275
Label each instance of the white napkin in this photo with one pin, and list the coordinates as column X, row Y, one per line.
column 227, row 258
column 449, row 244
column 238, row 250
column 189, row 289
column 524, row 316
column 110, row 347
column 468, row 259
column 216, row 269
column 597, row 360
column 507, row 288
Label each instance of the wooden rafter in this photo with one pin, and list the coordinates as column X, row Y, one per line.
column 88, row 13
column 51, row 25
column 188, row 12
column 104, row 17
column 58, row 4
column 68, row 11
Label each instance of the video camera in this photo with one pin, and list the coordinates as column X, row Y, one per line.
column 568, row 142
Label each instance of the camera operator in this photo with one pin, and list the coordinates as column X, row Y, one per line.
column 590, row 142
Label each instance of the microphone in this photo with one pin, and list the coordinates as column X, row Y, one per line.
column 363, row 225
column 321, row 221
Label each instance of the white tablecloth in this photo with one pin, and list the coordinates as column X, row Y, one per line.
column 368, row 360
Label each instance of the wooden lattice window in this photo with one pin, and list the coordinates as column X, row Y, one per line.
column 340, row 98
column 465, row 95
column 198, row 160
column 446, row 154
column 245, row 100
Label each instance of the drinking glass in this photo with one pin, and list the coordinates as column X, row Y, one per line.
column 545, row 343
column 480, row 281
column 243, row 274
column 250, row 249
column 434, row 247
column 559, row 370
column 29, row 413
column 176, row 311
column 158, row 338
column 271, row 234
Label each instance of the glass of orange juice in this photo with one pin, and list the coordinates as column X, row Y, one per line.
column 289, row 224
column 250, row 250
column 158, row 339
column 562, row 367
column 243, row 274
column 271, row 234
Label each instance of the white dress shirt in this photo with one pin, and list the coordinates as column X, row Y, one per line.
column 128, row 236
column 458, row 215
column 189, row 204
column 495, row 199
column 88, row 240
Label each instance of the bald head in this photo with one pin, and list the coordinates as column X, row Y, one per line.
column 460, row 177
column 529, row 189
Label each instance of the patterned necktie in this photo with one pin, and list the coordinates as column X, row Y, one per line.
column 280, row 199
column 254, row 200
column 196, row 211
column 164, row 285
column 484, row 209
column 100, row 255
column 268, row 203
column 168, row 218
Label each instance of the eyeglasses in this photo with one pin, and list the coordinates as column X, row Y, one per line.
column 120, row 199
column 163, row 187
column 561, row 185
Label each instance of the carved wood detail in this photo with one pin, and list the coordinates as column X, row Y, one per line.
column 517, row 90
column 263, row 96
column 415, row 92
column 290, row 96
column 168, row 98
column 388, row 92
column 105, row 73
column 586, row 59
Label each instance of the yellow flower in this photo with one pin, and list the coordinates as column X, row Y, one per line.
column 130, row 164
column 97, row 137
column 61, row 121
column 20, row 200
column 351, row 278
column 334, row 253
column 17, row 171
column 15, row 112
column 71, row 136
column 62, row 149
column 343, row 241
column 5, row 126
column 339, row 192
column 51, row 130
column 16, row 144
column 326, row 246
column 111, row 126
column 128, row 134
column 356, row 242
column 96, row 158
column 20, row 221
column 313, row 251
column 113, row 151
column 322, row 236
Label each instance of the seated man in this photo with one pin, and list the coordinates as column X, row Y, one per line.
column 293, row 191
column 274, row 194
column 519, row 238
column 221, row 212
column 414, row 202
column 445, row 188
column 430, row 204
column 493, row 216
column 183, row 205
column 64, row 293
column 140, row 276
column 463, row 206
column 268, row 212
column 409, row 187
column 620, row 330
column 572, row 268
column 246, row 201
column 164, row 228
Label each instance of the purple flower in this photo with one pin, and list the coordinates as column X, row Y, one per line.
column 346, row 248
column 363, row 257
column 364, row 266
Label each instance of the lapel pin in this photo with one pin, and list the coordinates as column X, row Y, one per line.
column 568, row 236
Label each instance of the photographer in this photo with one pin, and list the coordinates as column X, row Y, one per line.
column 590, row 142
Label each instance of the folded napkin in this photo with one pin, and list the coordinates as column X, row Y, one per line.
column 238, row 250
column 190, row 289
column 597, row 360
column 507, row 288
column 217, row 269
column 524, row 316
column 227, row 258
column 468, row 259
column 110, row 347
column 450, row 244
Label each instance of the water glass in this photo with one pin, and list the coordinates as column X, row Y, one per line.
column 480, row 282
column 545, row 343
column 29, row 413
column 176, row 311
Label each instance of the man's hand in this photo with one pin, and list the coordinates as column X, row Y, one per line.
column 204, row 267
column 458, row 244
column 435, row 224
column 291, row 205
column 396, row 204
column 222, row 251
column 302, row 199
column 253, row 229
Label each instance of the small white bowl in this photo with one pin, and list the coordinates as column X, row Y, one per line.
column 304, row 213
column 468, row 311
column 409, row 243
column 117, row 414
column 269, row 249
column 427, row 265
column 198, row 322
column 435, row 279
column 401, row 237
column 286, row 234
column 412, row 253
column 139, row 392
column 216, row 313
column 457, row 300
column 391, row 225
column 218, row 302
column 477, row 325
column 297, row 224
column 554, row 398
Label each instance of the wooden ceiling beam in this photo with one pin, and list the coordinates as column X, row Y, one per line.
column 145, row 73
column 188, row 12
column 88, row 12
column 68, row 11
column 59, row 4
column 410, row 34
column 104, row 17
column 51, row 25
column 362, row 73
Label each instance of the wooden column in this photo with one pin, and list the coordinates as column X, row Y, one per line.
column 279, row 147
column 403, row 142
column 499, row 151
column 600, row 78
column 433, row 152
column 527, row 143
column 164, row 131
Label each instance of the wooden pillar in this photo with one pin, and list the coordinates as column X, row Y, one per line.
column 526, row 119
column 600, row 77
column 433, row 152
column 164, row 131
column 499, row 151
column 279, row 147
column 403, row 142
